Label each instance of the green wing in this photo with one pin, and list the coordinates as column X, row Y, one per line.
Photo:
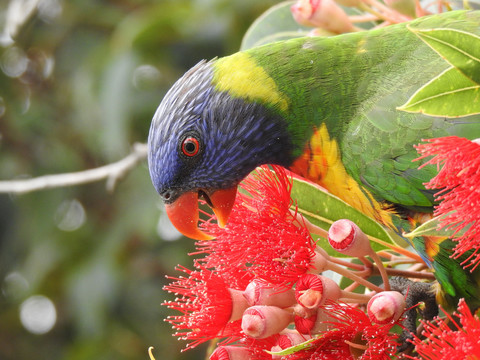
column 353, row 83
column 456, row 282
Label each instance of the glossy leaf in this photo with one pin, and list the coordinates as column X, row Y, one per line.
column 432, row 228
column 293, row 349
column 275, row 24
column 450, row 94
column 322, row 209
column 459, row 48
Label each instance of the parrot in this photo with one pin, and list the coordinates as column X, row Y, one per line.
column 323, row 107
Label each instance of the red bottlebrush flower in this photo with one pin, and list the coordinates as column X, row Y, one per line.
column 262, row 238
column 353, row 336
column 458, row 179
column 207, row 305
column 445, row 343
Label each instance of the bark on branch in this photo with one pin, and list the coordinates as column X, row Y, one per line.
column 111, row 173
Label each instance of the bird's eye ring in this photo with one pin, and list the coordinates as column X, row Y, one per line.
column 190, row 146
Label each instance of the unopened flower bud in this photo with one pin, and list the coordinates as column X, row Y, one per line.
column 325, row 14
column 320, row 262
column 262, row 321
column 347, row 238
column 259, row 292
column 386, row 307
column 239, row 304
column 231, row 353
column 313, row 290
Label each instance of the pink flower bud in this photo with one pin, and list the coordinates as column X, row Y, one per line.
column 313, row 290
column 325, row 14
column 239, row 304
column 386, row 307
column 320, row 262
column 230, row 353
column 262, row 321
column 259, row 292
column 347, row 238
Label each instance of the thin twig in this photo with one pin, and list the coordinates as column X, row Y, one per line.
column 408, row 273
column 111, row 173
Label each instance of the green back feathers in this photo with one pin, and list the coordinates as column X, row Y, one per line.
column 353, row 84
column 455, row 281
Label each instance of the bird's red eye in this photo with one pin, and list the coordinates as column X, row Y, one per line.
column 190, row 146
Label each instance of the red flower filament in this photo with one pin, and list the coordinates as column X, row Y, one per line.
column 459, row 181
column 206, row 305
column 262, row 238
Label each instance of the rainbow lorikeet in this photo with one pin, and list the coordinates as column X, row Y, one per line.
column 323, row 107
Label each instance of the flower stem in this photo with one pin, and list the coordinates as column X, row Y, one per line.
column 381, row 269
column 355, row 297
column 348, row 274
column 346, row 263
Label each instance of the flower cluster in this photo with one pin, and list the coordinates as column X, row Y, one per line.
column 259, row 289
column 258, row 286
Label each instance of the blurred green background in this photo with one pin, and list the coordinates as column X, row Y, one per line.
column 81, row 269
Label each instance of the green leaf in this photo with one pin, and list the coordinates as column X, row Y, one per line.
column 322, row 209
column 275, row 24
column 432, row 228
column 293, row 349
column 459, row 48
column 450, row 94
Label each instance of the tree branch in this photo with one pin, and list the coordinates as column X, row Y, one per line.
column 111, row 173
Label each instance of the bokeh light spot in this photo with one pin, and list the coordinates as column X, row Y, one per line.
column 14, row 286
column 38, row 314
column 49, row 10
column 146, row 77
column 165, row 228
column 70, row 215
column 14, row 62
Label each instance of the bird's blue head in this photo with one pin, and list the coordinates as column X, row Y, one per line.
column 203, row 142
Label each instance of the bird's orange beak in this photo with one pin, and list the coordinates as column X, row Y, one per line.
column 183, row 212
